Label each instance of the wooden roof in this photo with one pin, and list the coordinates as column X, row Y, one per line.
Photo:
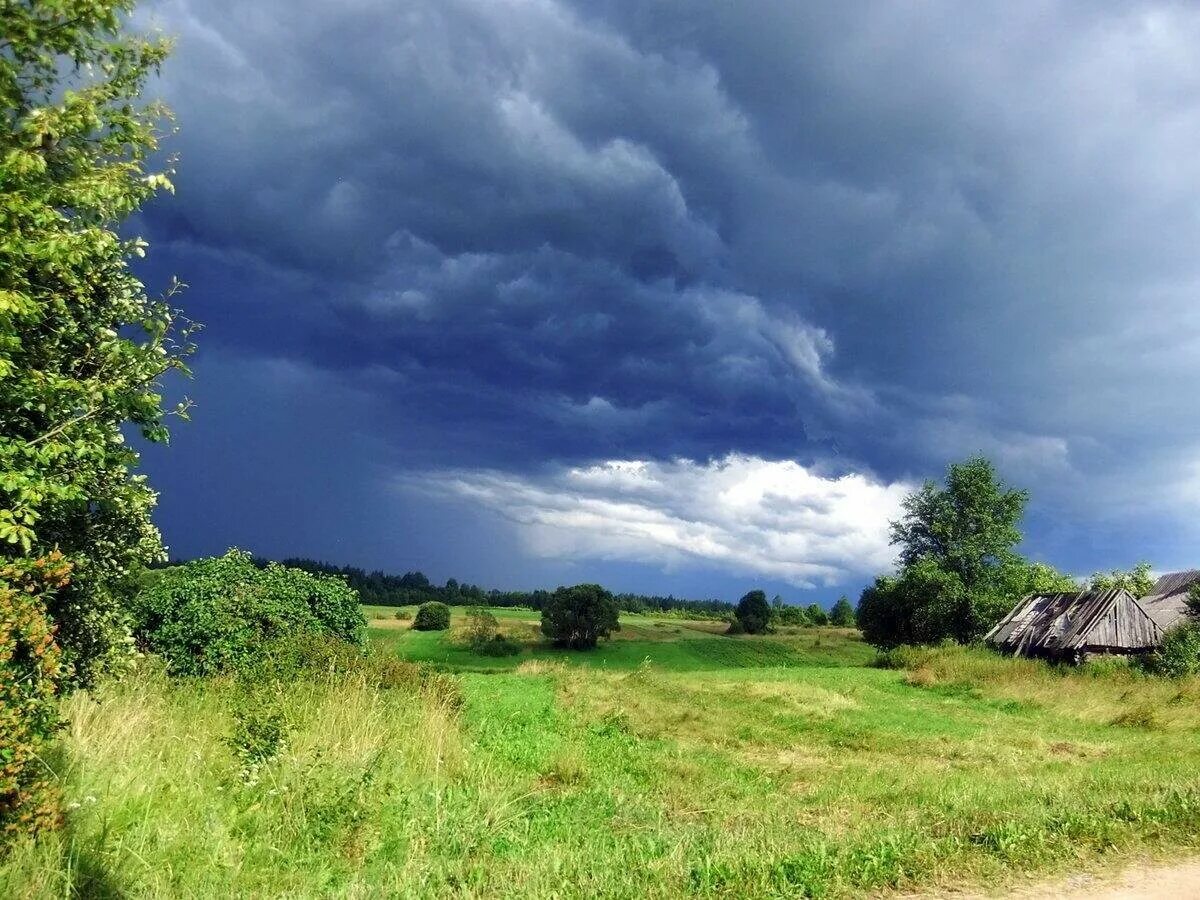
column 1057, row 623
column 1167, row 601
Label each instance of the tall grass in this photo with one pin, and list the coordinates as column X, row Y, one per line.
column 738, row 777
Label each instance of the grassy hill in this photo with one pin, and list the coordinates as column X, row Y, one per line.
column 671, row 760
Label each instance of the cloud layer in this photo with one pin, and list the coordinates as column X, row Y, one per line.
column 530, row 235
column 743, row 514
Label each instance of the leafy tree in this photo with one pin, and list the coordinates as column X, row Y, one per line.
column 30, row 667
column 968, row 528
column 959, row 573
column 83, row 347
column 842, row 613
column 577, row 617
column 786, row 614
column 219, row 614
column 753, row 613
column 432, row 616
column 816, row 614
column 1138, row 580
column 1193, row 600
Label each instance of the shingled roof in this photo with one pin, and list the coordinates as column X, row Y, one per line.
column 1063, row 624
column 1167, row 601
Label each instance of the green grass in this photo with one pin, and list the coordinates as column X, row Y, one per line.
column 664, row 763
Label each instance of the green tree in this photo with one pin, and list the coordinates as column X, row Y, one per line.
column 842, row 613
column 1138, row 580
column 816, row 614
column 959, row 573
column 968, row 528
column 753, row 613
column 82, row 345
column 432, row 616
column 577, row 617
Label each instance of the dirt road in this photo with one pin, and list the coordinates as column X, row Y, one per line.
column 1145, row 881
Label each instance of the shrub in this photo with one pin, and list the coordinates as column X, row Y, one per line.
column 817, row 615
column 432, row 616
column 842, row 614
column 735, row 627
column 577, row 617
column 497, row 645
column 30, row 671
column 753, row 613
column 1179, row 655
column 218, row 614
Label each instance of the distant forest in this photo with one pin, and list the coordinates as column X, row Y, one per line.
column 386, row 589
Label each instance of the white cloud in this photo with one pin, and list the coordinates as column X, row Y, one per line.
column 745, row 514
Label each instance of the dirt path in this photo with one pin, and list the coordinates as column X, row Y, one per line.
column 1144, row 881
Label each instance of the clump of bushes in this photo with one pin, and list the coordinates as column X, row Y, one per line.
column 432, row 616
column 577, row 617
column 484, row 636
column 752, row 615
column 220, row 614
column 1179, row 655
column 30, row 670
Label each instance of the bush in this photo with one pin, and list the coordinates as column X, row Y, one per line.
column 577, row 617
column 30, row 671
column 842, row 614
column 497, row 645
column 432, row 616
column 1179, row 655
column 219, row 614
column 753, row 613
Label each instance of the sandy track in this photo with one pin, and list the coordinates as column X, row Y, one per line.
column 1144, row 881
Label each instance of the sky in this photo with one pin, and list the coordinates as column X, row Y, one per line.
column 678, row 298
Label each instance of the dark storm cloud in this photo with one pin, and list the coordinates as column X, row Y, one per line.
column 865, row 236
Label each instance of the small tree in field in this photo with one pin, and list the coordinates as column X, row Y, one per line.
column 816, row 614
column 842, row 613
column 753, row 613
column 577, row 617
column 432, row 616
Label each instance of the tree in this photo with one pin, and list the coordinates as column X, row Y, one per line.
column 968, row 528
column 842, row 613
column 753, row 613
column 816, row 614
column 432, row 616
column 83, row 347
column 1138, row 580
column 959, row 573
column 577, row 617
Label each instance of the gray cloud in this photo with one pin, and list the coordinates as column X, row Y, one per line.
column 869, row 237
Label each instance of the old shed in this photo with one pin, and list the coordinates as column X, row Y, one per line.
column 1167, row 601
column 1072, row 625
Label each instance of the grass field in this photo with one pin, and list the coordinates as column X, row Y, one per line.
column 670, row 761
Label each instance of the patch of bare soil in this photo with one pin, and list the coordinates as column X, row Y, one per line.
column 1144, row 881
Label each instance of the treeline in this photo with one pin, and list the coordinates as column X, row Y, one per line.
column 381, row 588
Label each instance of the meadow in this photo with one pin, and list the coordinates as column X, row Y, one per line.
column 671, row 760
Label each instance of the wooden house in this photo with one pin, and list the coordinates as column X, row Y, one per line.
column 1167, row 601
column 1076, row 624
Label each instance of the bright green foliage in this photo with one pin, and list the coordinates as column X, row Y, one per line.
column 789, row 616
column 82, row 346
column 1179, row 655
column 1138, row 580
column 219, row 614
column 753, row 613
column 968, row 528
column 432, row 616
column 577, row 617
column 30, row 664
column 816, row 614
column 842, row 613
column 958, row 572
